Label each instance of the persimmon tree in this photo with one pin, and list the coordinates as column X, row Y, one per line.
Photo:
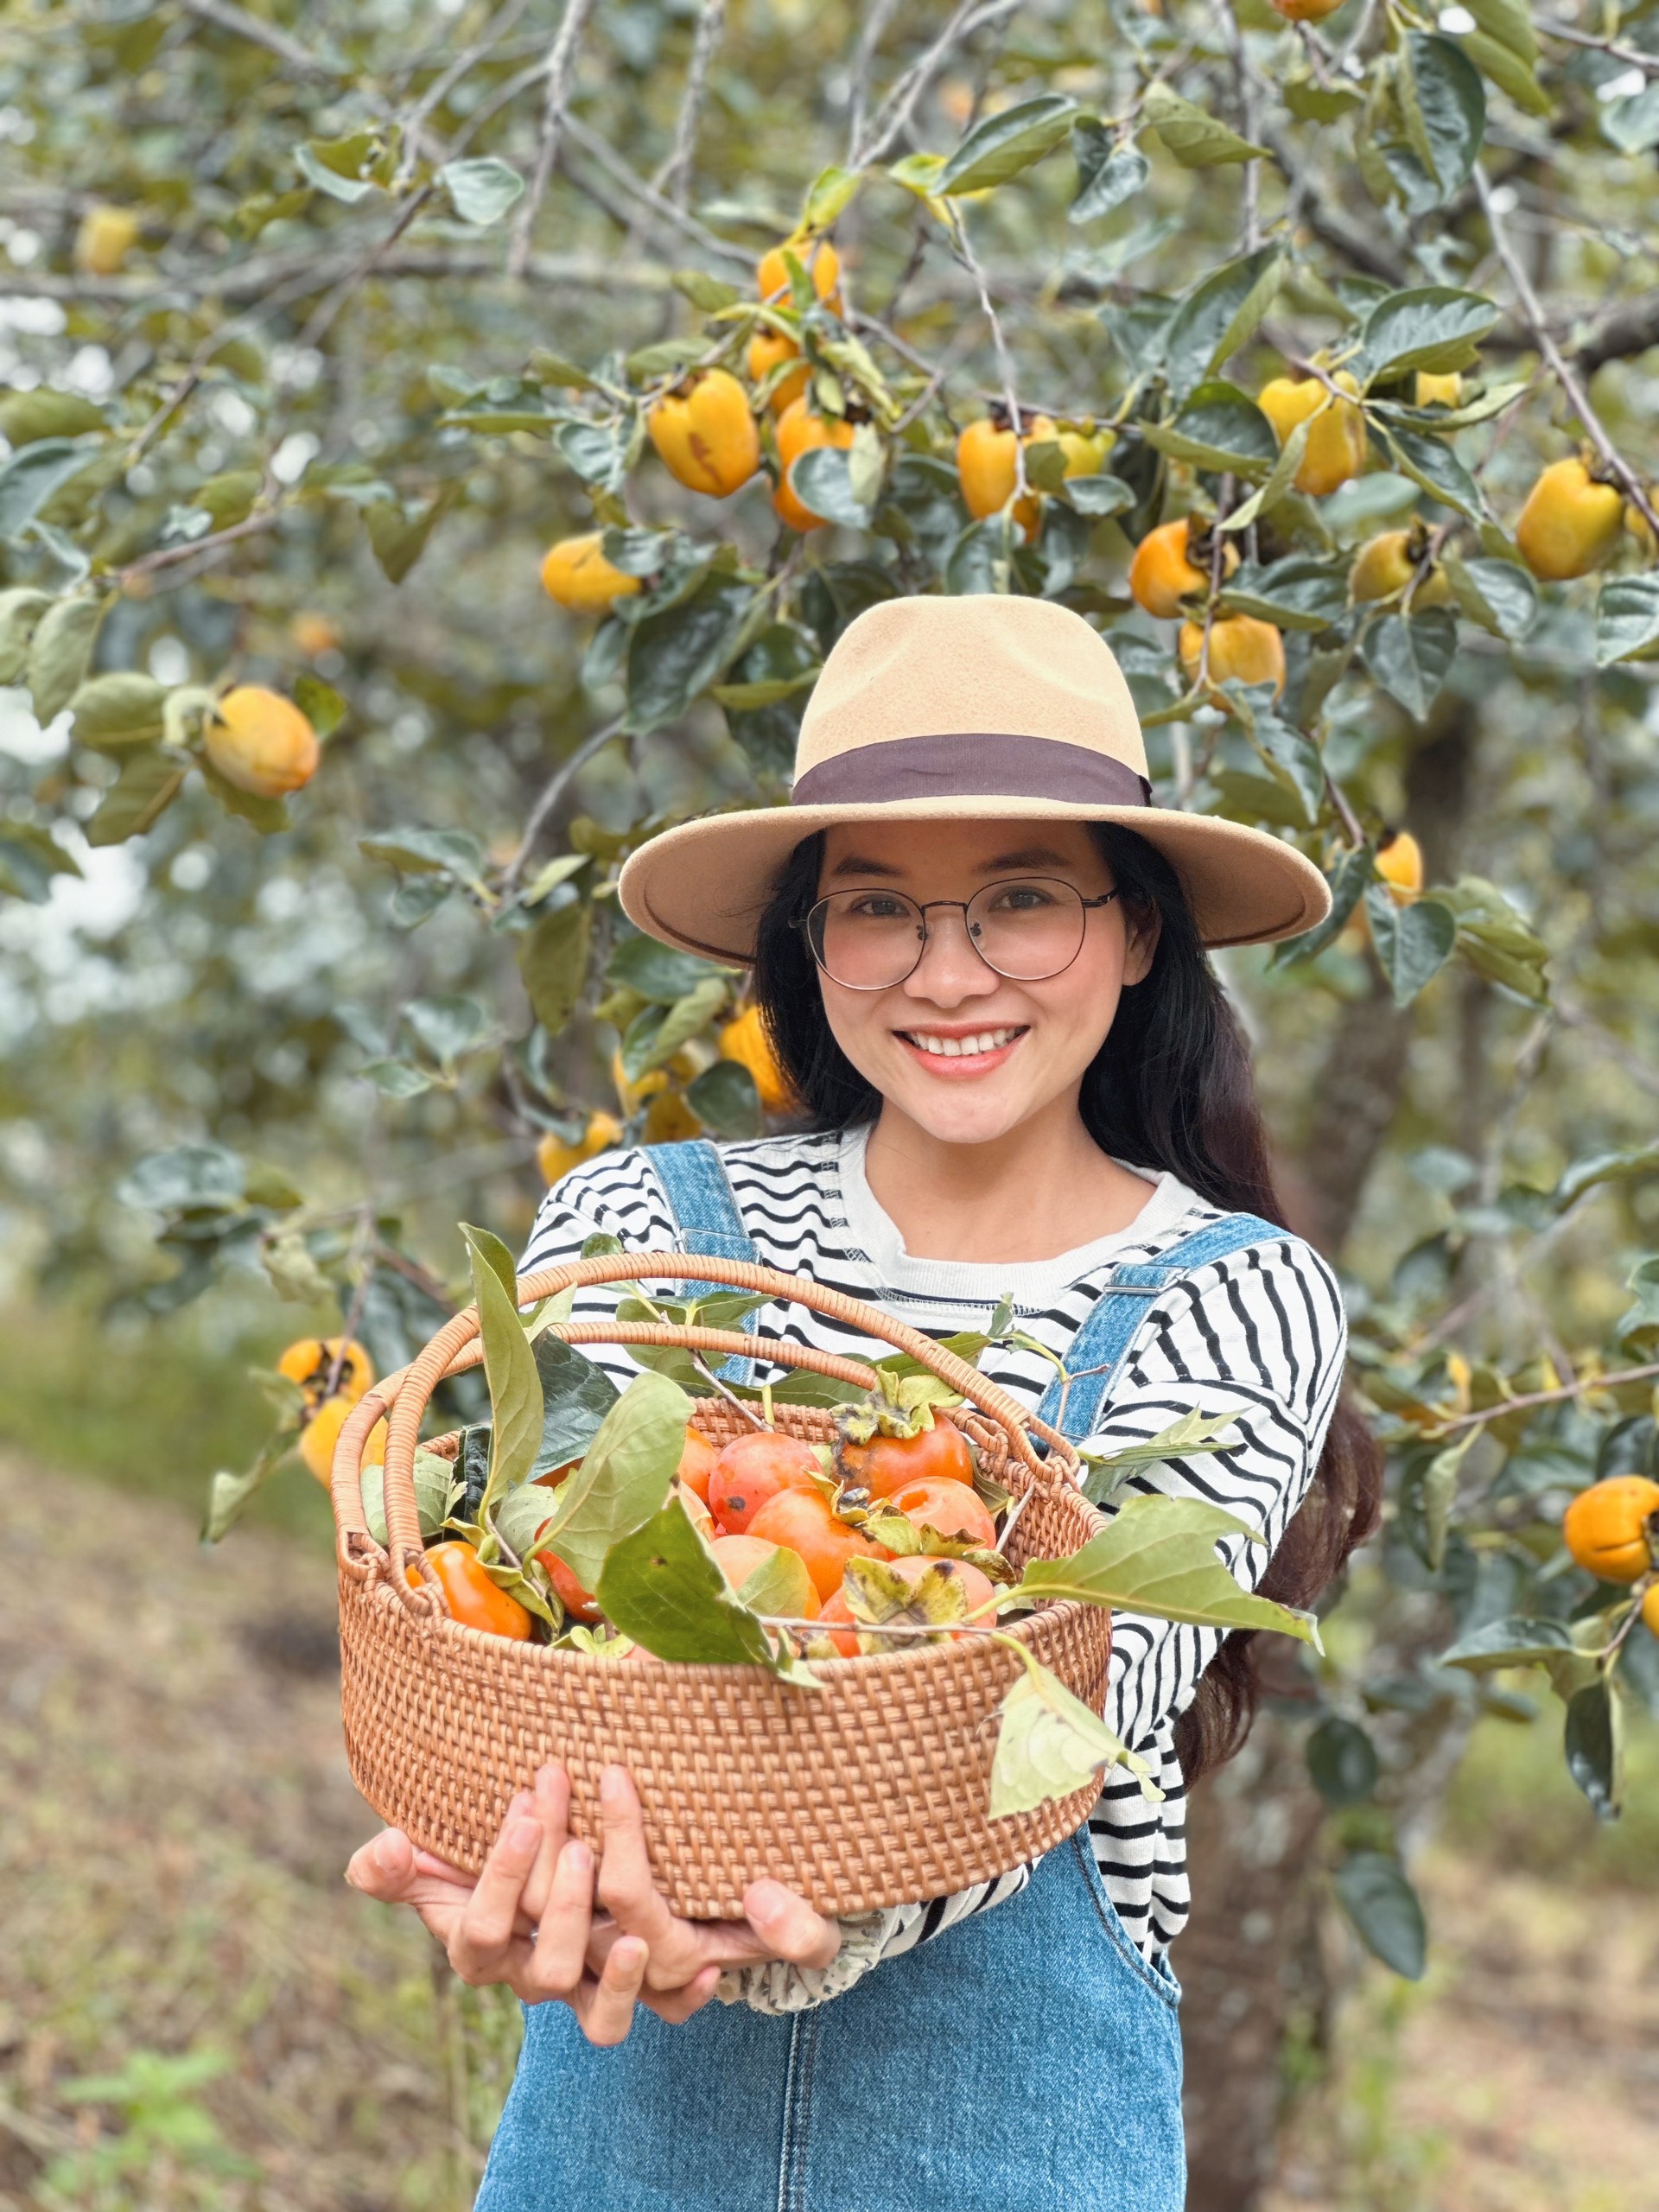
column 444, row 442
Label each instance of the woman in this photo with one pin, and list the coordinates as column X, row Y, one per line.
column 978, row 949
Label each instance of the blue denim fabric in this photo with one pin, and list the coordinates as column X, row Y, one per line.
column 706, row 1214
column 1028, row 2060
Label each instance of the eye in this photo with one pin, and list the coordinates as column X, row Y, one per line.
column 1021, row 898
column 877, row 906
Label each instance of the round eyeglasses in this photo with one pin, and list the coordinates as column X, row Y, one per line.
column 1027, row 929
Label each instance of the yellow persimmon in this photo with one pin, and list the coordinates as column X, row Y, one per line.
column 1163, row 571
column 988, row 465
column 1336, row 439
column 744, row 1039
column 1570, row 523
column 1611, row 1528
column 1400, row 863
column 801, row 431
column 768, row 350
column 322, row 1434
column 669, row 1120
column 309, row 1362
column 106, row 238
column 1431, row 391
column 706, row 435
column 314, row 634
column 1305, row 12
column 1243, row 650
column 261, row 742
column 1085, row 449
column 556, row 1159
column 817, row 256
column 1386, row 563
column 576, row 574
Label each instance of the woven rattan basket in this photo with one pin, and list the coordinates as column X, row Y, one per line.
column 872, row 1791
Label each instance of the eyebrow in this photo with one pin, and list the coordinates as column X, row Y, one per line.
column 860, row 864
column 1030, row 856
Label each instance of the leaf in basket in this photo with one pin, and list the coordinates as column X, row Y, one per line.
column 597, row 1643
column 1194, row 1432
column 1050, row 1745
column 779, row 1588
column 628, row 1472
column 531, row 1593
column 876, row 1595
column 576, row 1394
column 1157, row 1556
column 660, row 1586
column 969, row 1345
column 510, row 1369
column 486, row 1246
column 437, row 1492
column 801, row 1387
column 519, row 1517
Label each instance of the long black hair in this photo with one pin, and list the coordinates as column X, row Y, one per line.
column 1171, row 1088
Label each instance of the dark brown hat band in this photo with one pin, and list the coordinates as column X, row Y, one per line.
column 971, row 763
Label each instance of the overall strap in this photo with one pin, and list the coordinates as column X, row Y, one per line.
column 706, row 1218
column 1098, row 1350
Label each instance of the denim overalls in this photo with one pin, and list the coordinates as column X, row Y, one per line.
column 1027, row 2060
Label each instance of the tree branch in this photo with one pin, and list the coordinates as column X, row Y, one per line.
column 674, row 178
column 225, row 16
column 551, row 792
column 414, row 119
column 1621, row 331
column 900, row 102
column 560, row 69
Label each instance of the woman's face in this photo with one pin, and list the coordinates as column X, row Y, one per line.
column 966, row 1053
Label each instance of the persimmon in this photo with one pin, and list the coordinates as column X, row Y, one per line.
column 556, row 1159
column 737, row 1558
column 1432, row 390
column 705, row 433
column 475, row 1600
column 817, row 256
column 987, row 466
column 697, row 1459
column 1650, row 1609
column 887, row 1464
column 1400, row 863
column 751, row 1471
column 834, row 1610
column 801, row 431
column 261, row 742
column 1163, row 571
column 669, row 1120
column 804, row 1521
column 309, row 1361
column 744, row 1039
column 322, row 1434
column 1385, row 564
column 1335, row 437
column 1305, row 12
column 1242, row 650
column 1569, row 524
column 581, row 1605
column 949, row 1508
column 976, row 1589
column 315, row 634
column 107, row 235
column 1085, row 448
column 1612, row 1529
column 769, row 349
column 576, row 574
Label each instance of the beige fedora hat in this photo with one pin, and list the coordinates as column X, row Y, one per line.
column 959, row 709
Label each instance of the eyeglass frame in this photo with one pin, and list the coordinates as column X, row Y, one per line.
column 803, row 922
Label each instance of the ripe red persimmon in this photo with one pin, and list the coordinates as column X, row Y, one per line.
column 950, row 1508
column 475, row 1600
column 804, row 1521
column 752, row 1470
column 887, row 1462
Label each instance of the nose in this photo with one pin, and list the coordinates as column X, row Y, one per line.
column 949, row 969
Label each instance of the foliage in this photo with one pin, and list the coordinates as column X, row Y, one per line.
column 323, row 323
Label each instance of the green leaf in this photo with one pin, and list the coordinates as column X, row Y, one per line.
column 1388, row 1917
column 829, row 193
column 151, row 780
column 1218, row 316
column 30, row 858
column 1507, row 71
column 399, row 535
column 184, row 1179
column 1109, row 172
column 1195, row 1432
column 725, row 1100
column 674, row 655
column 1594, row 1746
column 1410, row 655
column 1294, row 759
column 1433, row 327
column 1637, row 1332
column 437, row 1493
column 449, row 852
column 317, row 172
column 447, row 1026
column 658, row 971
column 1219, row 427
column 1631, row 123
column 1509, row 24
column 1498, row 595
column 1444, row 108
column 267, row 815
column 1606, row 1167
column 482, row 190
column 27, row 416
column 1310, row 102
column 576, row 1396
column 1413, row 943
column 706, row 294
column 1196, row 140
column 627, row 1472
column 509, row 1368
column 660, row 1586
column 1498, row 943
column 1098, row 496
column 395, row 1078
column 553, row 962
column 682, row 1021
column 1627, row 619
column 1354, row 869
column 1051, row 1745
column 19, row 612
column 30, row 477
column 1342, row 1762
column 229, row 1496
column 1516, row 1641
column 58, row 652
column 780, row 1588
column 1437, row 1491
column 1298, row 592
column 1157, row 1556
column 1002, row 145
column 320, row 703
column 822, row 481
column 117, row 709
column 1431, row 462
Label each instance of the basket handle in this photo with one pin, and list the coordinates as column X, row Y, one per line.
column 404, row 1396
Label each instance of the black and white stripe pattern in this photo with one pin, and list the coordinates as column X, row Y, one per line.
column 1260, row 1333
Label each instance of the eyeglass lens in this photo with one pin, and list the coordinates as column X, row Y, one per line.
column 1026, row 929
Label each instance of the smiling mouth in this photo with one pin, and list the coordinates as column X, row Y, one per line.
column 977, row 1044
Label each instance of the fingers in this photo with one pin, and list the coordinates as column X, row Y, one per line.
column 788, row 1927
column 480, row 1941
column 384, row 1867
column 559, row 1957
column 627, row 1892
column 552, row 1805
column 675, row 2006
column 604, row 2009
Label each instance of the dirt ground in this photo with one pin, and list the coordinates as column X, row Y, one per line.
column 196, row 2016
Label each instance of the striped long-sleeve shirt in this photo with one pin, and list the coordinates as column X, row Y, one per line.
column 1260, row 1334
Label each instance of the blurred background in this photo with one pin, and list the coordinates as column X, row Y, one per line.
column 320, row 326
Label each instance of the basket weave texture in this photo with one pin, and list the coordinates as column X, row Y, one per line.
column 871, row 1792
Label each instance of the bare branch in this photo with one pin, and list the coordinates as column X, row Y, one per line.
column 675, row 176
column 877, row 16
column 444, row 83
column 1631, row 56
column 600, row 150
column 225, row 16
column 551, row 792
column 560, row 70
column 165, row 556
column 893, row 118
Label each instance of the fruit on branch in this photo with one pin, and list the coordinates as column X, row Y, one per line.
column 817, row 256
column 1336, row 436
column 705, row 433
column 769, row 349
column 261, row 742
column 669, row 1120
column 1399, row 861
column 576, row 574
column 1650, row 1609
column 1305, row 12
column 1386, row 564
column 1569, row 524
column 988, row 464
column 556, row 1159
column 1170, row 563
column 106, row 238
column 1085, row 448
column 1612, row 1529
column 314, row 634
column 475, row 1600
column 322, row 1433
column 653, row 1083
column 1432, row 390
column 744, row 1039
column 801, row 431
column 309, row 1362
column 1242, row 650
column 805, row 1522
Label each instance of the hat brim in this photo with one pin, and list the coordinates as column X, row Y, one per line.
column 703, row 886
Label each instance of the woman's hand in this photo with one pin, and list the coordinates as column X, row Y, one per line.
column 529, row 1920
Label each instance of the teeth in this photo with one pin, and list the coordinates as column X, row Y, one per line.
column 952, row 1048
